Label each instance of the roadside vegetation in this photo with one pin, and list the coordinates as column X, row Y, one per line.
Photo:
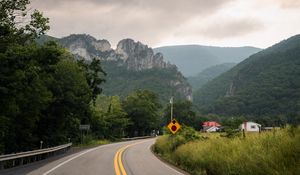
column 46, row 93
column 273, row 152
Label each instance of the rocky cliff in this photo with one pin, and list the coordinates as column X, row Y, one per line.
column 134, row 57
column 138, row 56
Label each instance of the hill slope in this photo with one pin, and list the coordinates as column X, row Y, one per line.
column 265, row 83
column 192, row 59
column 208, row 74
column 131, row 66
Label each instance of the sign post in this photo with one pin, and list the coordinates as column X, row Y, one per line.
column 82, row 128
column 171, row 102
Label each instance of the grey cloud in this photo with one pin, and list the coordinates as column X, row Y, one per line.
column 147, row 20
column 231, row 28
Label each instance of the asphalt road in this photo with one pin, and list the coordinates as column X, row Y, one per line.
column 124, row 158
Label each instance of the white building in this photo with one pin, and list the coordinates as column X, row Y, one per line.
column 250, row 126
column 211, row 128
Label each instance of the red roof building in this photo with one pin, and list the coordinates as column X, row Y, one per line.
column 211, row 123
column 210, row 126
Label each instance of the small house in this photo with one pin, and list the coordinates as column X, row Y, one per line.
column 250, row 127
column 211, row 126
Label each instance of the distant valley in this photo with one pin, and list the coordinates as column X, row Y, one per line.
column 208, row 74
column 192, row 59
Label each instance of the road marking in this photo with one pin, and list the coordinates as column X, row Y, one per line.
column 78, row 155
column 120, row 161
column 117, row 170
column 119, row 167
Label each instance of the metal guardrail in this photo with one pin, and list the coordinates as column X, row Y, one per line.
column 12, row 160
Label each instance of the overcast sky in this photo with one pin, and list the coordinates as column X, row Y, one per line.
column 259, row 23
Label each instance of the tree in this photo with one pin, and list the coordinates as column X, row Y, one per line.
column 15, row 28
column 109, row 118
column 70, row 105
column 142, row 107
column 94, row 74
column 23, row 96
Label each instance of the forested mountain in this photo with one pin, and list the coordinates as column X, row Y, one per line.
column 192, row 59
column 266, row 83
column 208, row 74
column 131, row 66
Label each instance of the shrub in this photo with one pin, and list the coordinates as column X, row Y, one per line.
column 266, row 153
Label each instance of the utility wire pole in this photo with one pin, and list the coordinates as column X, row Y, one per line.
column 171, row 101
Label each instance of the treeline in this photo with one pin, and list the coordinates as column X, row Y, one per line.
column 187, row 114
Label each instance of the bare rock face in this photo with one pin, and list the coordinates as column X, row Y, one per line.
column 138, row 56
column 135, row 56
column 87, row 46
column 101, row 45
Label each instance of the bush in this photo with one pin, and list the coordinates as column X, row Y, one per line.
column 266, row 153
column 167, row 144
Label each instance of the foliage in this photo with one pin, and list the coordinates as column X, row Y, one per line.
column 44, row 96
column 266, row 153
column 121, row 81
column 167, row 144
column 184, row 113
column 15, row 28
column 208, row 74
column 265, row 84
column 94, row 75
column 45, row 93
column 109, row 119
column 142, row 108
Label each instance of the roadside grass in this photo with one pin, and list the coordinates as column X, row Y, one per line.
column 89, row 141
column 274, row 153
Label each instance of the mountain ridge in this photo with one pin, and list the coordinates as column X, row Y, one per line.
column 192, row 59
column 129, row 65
column 265, row 83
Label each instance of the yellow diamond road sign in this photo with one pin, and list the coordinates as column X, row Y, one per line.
column 174, row 126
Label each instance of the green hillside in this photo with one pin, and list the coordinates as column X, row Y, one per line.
column 267, row 83
column 208, row 74
column 121, row 81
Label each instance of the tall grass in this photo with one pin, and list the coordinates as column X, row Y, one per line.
column 269, row 153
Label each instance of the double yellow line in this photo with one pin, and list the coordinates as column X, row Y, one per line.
column 119, row 167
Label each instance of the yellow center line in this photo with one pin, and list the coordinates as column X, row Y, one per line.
column 119, row 168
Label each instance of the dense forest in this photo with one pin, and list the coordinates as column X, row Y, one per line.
column 265, row 84
column 45, row 93
column 208, row 74
column 121, row 81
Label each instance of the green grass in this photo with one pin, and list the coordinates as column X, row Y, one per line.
column 90, row 141
column 268, row 153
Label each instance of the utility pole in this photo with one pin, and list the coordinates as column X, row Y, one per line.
column 171, row 101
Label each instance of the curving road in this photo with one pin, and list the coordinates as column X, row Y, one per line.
column 124, row 158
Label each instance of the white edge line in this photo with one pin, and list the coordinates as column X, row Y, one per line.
column 169, row 167
column 78, row 155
